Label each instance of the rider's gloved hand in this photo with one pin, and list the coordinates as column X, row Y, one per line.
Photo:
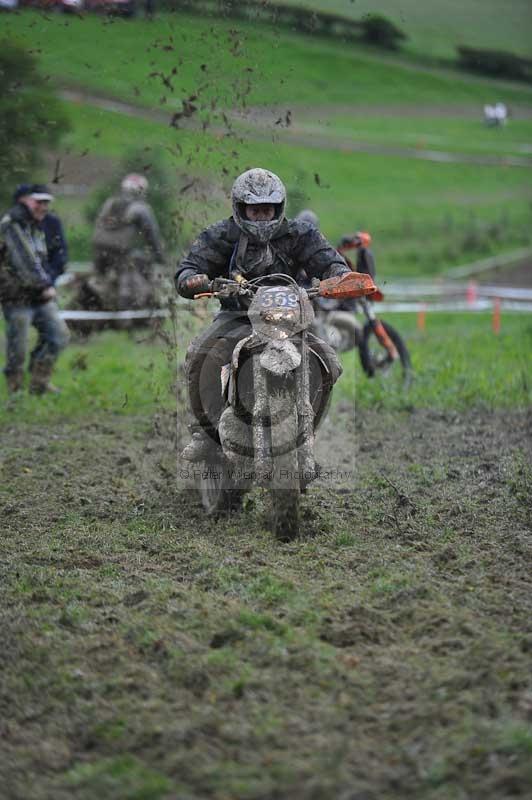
column 195, row 284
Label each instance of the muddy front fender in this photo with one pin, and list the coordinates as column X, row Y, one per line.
column 280, row 357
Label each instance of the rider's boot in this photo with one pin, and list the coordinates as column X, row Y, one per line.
column 41, row 372
column 199, row 447
column 15, row 382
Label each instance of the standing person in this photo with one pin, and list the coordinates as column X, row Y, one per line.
column 27, row 293
column 257, row 240
column 56, row 246
column 500, row 113
column 126, row 246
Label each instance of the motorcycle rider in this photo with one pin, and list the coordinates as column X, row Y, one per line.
column 365, row 259
column 126, row 245
column 360, row 241
column 256, row 240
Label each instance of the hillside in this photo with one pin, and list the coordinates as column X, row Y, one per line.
column 365, row 140
column 435, row 28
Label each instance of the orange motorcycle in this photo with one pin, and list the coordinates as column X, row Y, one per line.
column 380, row 346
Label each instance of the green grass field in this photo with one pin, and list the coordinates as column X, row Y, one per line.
column 424, row 132
column 458, row 362
column 151, row 653
column 434, row 29
column 424, row 216
column 231, row 64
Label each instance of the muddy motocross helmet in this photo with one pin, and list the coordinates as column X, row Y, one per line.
column 135, row 185
column 257, row 187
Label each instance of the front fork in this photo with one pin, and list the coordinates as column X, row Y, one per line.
column 379, row 331
column 305, row 412
column 261, row 440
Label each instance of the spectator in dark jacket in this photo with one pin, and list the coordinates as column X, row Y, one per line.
column 27, row 293
column 56, row 245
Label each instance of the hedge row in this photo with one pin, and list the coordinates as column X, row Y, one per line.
column 373, row 29
column 496, row 63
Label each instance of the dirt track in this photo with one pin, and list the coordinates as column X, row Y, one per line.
column 464, row 448
column 260, row 125
column 403, row 645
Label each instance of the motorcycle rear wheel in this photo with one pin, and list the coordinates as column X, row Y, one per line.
column 285, row 490
column 218, row 491
column 374, row 356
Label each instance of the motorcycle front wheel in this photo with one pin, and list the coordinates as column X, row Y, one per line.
column 285, row 490
column 374, row 357
column 343, row 331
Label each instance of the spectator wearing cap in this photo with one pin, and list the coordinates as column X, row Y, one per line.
column 56, row 245
column 27, row 294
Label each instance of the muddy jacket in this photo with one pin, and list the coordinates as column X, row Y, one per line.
column 56, row 246
column 296, row 245
column 23, row 258
column 124, row 225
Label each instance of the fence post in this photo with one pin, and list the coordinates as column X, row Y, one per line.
column 471, row 293
column 496, row 318
column 421, row 318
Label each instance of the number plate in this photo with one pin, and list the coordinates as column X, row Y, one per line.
column 279, row 298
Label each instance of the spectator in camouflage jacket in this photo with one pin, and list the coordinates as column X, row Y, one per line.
column 27, row 294
column 127, row 245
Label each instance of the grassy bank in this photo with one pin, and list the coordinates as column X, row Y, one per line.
column 458, row 364
column 423, row 216
column 230, row 64
column 434, row 29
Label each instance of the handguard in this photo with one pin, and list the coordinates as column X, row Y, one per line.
column 350, row 284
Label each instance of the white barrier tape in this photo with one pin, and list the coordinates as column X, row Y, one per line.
column 510, row 305
column 454, row 290
column 460, row 305
column 105, row 315
column 411, row 289
column 501, row 292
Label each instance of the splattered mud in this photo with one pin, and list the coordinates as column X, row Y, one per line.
column 148, row 652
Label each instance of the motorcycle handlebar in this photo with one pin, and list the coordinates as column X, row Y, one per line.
column 347, row 285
